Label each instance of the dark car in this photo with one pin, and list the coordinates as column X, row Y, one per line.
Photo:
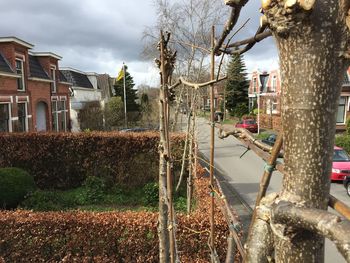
column 249, row 124
column 346, row 183
column 270, row 140
column 135, row 130
column 218, row 116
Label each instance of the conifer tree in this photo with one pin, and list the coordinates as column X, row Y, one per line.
column 237, row 87
column 131, row 96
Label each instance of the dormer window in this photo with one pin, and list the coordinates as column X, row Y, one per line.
column 20, row 72
column 53, row 78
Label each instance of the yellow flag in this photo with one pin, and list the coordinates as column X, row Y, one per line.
column 120, row 75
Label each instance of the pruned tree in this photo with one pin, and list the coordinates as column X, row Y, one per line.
column 313, row 42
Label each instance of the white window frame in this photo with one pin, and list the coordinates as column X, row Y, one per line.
column 64, row 112
column 53, row 77
column 9, row 104
column 26, row 122
column 345, row 106
column 21, row 60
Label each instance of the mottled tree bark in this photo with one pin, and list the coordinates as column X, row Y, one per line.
column 312, row 71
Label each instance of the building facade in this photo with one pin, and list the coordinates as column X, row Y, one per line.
column 265, row 93
column 34, row 95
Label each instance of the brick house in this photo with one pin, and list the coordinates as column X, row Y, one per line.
column 265, row 93
column 34, row 95
column 268, row 86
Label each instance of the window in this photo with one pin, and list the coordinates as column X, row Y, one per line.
column 271, row 106
column 20, row 72
column 22, row 117
column 274, row 84
column 53, row 77
column 63, row 115
column 341, row 110
column 5, row 118
column 54, row 116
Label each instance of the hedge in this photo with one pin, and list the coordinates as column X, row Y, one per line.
column 64, row 160
column 107, row 237
column 343, row 141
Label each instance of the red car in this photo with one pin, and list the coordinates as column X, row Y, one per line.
column 249, row 124
column 341, row 164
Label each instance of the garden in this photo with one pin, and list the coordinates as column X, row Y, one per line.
column 94, row 197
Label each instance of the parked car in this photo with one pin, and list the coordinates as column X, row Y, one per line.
column 270, row 140
column 249, row 124
column 341, row 164
column 346, row 183
column 218, row 116
column 137, row 129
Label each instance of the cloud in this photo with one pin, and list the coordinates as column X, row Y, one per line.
column 98, row 36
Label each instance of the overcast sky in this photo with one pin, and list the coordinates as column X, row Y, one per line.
column 98, row 35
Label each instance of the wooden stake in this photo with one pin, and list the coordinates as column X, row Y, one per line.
column 212, row 144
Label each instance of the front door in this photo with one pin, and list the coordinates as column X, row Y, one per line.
column 41, row 116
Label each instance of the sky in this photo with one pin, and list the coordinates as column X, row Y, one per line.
column 99, row 35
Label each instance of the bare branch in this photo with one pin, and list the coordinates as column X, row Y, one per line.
column 260, row 242
column 190, row 45
column 181, row 80
column 243, row 133
column 317, row 221
column 228, row 42
column 231, row 22
column 256, row 38
column 259, row 35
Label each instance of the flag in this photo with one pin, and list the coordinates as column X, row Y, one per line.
column 120, row 75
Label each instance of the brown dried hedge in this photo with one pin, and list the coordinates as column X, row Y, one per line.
column 106, row 237
column 64, row 160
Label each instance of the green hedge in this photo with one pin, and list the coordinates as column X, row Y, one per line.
column 65, row 160
column 343, row 141
column 15, row 184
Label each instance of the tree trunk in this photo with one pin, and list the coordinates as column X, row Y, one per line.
column 163, row 233
column 312, row 73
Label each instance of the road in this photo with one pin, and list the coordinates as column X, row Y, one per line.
column 243, row 174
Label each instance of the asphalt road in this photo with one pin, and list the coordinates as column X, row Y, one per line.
column 244, row 174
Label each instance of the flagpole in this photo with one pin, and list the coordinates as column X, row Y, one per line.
column 125, row 114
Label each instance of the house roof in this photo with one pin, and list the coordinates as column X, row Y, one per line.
column 5, row 65
column 78, row 79
column 35, row 68
column 46, row 54
column 61, row 77
column 17, row 41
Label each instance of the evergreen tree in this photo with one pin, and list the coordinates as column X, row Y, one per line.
column 131, row 96
column 237, row 87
